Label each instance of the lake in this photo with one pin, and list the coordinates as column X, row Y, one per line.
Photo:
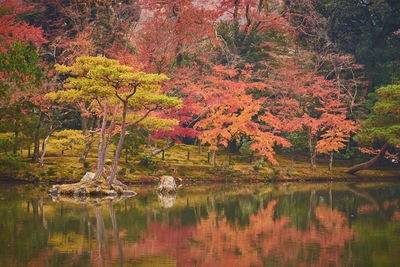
column 294, row 224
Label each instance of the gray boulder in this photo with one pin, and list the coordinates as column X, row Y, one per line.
column 167, row 185
column 89, row 176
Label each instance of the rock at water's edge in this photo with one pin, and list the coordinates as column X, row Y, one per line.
column 54, row 190
column 167, row 185
column 89, row 186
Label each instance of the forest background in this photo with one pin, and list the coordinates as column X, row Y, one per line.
column 225, row 88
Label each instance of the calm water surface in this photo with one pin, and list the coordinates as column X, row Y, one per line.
column 216, row 225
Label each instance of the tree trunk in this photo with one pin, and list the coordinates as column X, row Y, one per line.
column 21, row 144
column 84, row 122
column 292, row 163
column 109, row 134
column 114, row 169
column 51, row 130
column 369, row 163
column 158, row 151
column 35, row 156
column 311, row 149
column 29, row 150
column 214, row 158
column 16, row 133
column 100, row 163
column 330, row 160
column 88, row 145
column 86, row 151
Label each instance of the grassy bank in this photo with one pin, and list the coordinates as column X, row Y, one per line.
column 185, row 163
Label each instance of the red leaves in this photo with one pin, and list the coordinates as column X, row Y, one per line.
column 12, row 29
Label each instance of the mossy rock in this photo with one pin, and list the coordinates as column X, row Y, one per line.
column 91, row 187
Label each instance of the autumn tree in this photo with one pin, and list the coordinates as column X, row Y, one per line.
column 307, row 101
column 231, row 113
column 113, row 86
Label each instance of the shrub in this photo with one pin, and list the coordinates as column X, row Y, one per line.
column 181, row 171
column 132, row 170
column 259, row 164
column 12, row 162
column 277, row 171
column 148, row 162
column 51, row 171
column 122, row 171
column 86, row 164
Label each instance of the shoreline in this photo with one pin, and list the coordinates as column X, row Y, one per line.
column 192, row 181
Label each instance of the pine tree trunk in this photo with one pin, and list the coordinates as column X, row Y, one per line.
column 100, row 156
column 371, row 162
column 84, row 122
column 114, row 169
column 36, row 155
column 88, row 146
column 86, row 151
column 311, row 149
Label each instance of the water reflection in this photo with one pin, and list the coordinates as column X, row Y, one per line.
column 247, row 225
column 166, row 200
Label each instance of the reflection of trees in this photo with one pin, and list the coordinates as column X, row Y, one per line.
column 215, row 242
column 247, row 227
column 78, row 242
column 375, row 205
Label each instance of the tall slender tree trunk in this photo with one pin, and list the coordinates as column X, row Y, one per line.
column 86, row 151
column 119, row 146
column 330, row 160
column 46, row 139
column 88, row 145
column 21, row 143
column 214, row 158
column 100, row 163
column 36, row 155
column 84, row 122
column 371, row 162
column 16, row 133
column 313, row 154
